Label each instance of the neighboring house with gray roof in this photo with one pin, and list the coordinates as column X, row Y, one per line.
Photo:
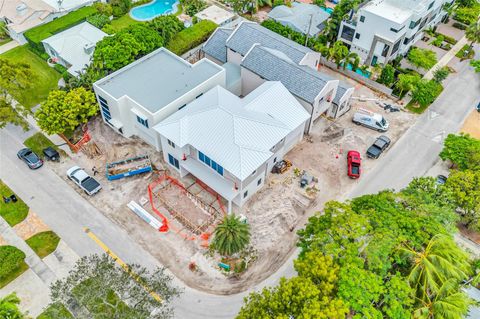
column 73, row 48
column 301, row 17
column 140, row 95
column 264, row 55
column 231, row 143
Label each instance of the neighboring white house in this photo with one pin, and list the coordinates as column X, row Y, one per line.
column 216, row 14
column 383, row 29
column 23, row 15
column 263, row 55
column 301, row 17
column 73, row 48
column 140, row 95
column 232, row 143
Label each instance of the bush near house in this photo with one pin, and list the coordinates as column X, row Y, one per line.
column 466, row 52
column 13, row 213
column 44, row 243
column 191, row 37
column 12, row 265
column 36, row 35
column 56, row 310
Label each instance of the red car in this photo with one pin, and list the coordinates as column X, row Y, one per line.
column 354, row 161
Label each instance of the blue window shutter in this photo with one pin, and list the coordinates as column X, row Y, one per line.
column 220, row 170
column 207, row 160
column 201, row 156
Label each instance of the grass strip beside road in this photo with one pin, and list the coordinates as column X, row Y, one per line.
column 55, row 311
column 44, row 243
column 13, row 213
column 12, row 264
column 37, row 142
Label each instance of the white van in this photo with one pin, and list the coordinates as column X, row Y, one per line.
column 371, row 120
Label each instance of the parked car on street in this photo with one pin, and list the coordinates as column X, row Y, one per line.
column 381, row 143
column 51, row 154
column 371, row 120
column 354, row 161
column 89, row 185
column 30, row 158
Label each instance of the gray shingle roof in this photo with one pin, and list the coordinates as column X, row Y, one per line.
column 249, row 33
column 215, row 46
column 298, row 17
column 272, row 65
column 342, row 88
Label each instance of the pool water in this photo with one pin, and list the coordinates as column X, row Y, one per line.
column 153, row 9
column 327, row 10
column 358, row 71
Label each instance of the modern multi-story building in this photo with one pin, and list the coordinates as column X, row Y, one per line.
column 140, row 95
column 381, row 30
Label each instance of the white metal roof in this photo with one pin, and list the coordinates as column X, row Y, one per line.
column 72, row 45
column 236, row 133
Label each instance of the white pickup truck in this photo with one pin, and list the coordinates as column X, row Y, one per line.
column 89, row 185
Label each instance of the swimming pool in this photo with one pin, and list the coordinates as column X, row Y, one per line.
column 327, row 10
column 153, row 9
column 358, row 71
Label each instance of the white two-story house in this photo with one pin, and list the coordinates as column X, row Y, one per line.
column 262, row 55
column 381, row 30
column 140, row 95
column 232, row 143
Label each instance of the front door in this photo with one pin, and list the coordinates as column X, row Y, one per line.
column 374, row 60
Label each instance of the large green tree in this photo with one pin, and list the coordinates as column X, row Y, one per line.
column 231, row 235
column 473, row 33
column 406, row 82
column 387, row 76
column 465, row 189
column 338, row 52
column 422, row 58
column 64, row 111
column 462, row 150
column 107, row 290
column 167, row 26
column 14, row 78
column 115, row 52
column 476, row 65
column 9, row 307
column 425, row 92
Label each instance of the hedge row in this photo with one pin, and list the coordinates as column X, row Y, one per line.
column 189, row 38
column 36, row 35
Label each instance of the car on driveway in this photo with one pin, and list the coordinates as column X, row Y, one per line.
column 89, row 185
column 30, row 158
column 381, row 143
column 354, row 161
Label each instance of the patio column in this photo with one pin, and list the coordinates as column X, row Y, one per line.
column 229, row 207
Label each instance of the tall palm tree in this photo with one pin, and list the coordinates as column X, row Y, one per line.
column 231, row 235
column 440, row 261
column 9, row 307
column 352, row 59
column 473, row 33
column 448, row 303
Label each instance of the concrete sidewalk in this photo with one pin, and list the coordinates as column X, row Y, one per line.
column 446, row 58
column 8, row 46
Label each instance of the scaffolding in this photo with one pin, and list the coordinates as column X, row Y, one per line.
column 195, row 231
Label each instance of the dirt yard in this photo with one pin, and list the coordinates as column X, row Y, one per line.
column 274, row 213
column 472, row 124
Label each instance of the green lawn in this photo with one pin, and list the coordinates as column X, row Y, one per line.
column 45, row 78
column 12, row 264
column 44, row 243
column 6, row 40
column 57, row 310
column 123, row 22
column 13, row 213
column 37, row 142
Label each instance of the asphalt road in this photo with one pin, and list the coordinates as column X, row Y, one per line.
column 66, row 212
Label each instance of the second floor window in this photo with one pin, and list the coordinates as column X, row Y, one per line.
column 142, row 121
column 209, row 162
column 171, row 143
column 362, row 19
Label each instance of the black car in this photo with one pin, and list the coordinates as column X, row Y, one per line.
column 381, row 143
column 30, row 158
column 51, row 154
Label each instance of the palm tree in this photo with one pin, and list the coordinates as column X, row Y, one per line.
column 338, row 52
column 352, row 59
column 448, row 303
column 9, row 307
column 441, row 260
column 473, row 33
column 231, row 235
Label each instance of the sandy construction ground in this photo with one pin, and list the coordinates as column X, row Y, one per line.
column 472, row 124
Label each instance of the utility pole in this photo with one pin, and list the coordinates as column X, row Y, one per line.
column 308, row 31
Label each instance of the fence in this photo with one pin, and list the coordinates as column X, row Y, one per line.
column 359, row 78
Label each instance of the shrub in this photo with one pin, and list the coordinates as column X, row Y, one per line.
column 103, row 8
column 448, row 39
column 467, row 15
column 36, row 35
column 59, row 68
column 438, row 41
column 191, row 37
column 387, row 76
column 278, row 3
column 98, row 20
column 12, row 261
column 191, row 7
column 466, row 52
column 426, row 92
column 120, row 7
column 459, row 25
